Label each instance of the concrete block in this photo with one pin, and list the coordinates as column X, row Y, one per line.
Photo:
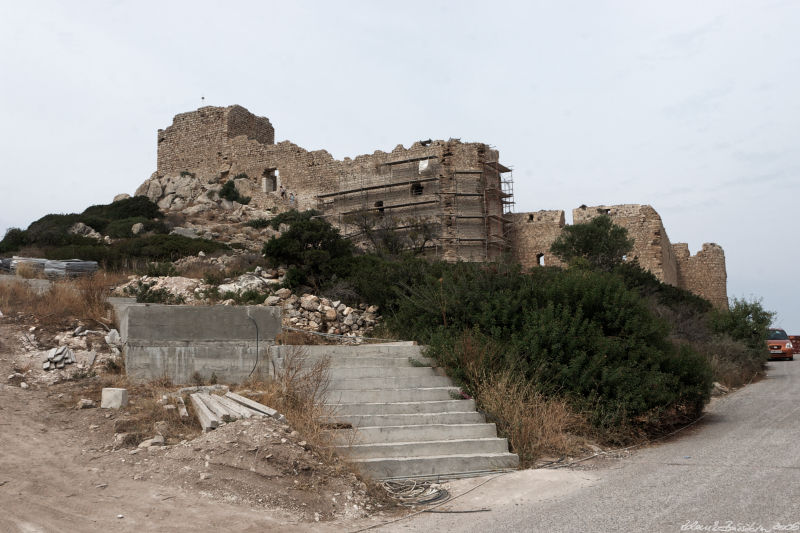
column 258, row 407
column 113, row 398
column 208, row 420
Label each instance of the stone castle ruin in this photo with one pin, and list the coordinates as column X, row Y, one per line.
column 460, row 192
column 703, row 274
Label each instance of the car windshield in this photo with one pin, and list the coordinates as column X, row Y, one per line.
column 777, row 335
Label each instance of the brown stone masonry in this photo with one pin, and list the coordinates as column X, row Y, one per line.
column 461, row 190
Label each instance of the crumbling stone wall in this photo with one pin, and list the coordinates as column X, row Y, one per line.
column 532, row 234
column 197, row 141
column 703, row 274
column 651, row 244
column 455, row 186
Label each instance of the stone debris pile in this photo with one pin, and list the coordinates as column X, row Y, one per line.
column 306, row 312
column 312, row 313
column 213, row 410
column 58, row 358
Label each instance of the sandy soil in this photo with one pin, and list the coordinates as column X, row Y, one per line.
column 61, row 471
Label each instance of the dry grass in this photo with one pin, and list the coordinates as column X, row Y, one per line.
column 298, row 392
column 83, row 298
column 145, row 410
column 299, row 338
column 534, row 425
column 28, row 271
column 733, row 363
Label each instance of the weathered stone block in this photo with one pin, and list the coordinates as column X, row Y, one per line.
column 113, row 398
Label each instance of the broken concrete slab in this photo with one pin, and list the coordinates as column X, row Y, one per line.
column 114, row 398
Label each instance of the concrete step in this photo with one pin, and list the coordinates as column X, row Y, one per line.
column 403, row 408
column 436, row 465
column 352, row 372
column 390, row 395
column 414, row 419
column 388, row 383
column 364, row 350
column 368, row 360
column 421, row 449
column 416, row 433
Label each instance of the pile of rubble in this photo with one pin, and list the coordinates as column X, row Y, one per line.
column 58, row 358
column 311, row 313
column 305, row 312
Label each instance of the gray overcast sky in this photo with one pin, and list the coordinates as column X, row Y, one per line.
column 689, row 106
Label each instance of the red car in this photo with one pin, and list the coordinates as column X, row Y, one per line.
column 780, row 347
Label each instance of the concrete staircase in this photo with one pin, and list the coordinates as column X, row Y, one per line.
column 405, row 418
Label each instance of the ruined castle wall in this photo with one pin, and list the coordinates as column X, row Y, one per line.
column 532, row 234
column 651, row 245
column 703, row 274
column 447, row 183
column 198, row 141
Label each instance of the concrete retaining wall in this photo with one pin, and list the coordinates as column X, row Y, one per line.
column 177, row 341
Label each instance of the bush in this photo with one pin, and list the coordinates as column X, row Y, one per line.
column 121, row 229
column 577, row 334
column 599, row 242
column 160, row 269
column 249, row 297
column 229, row 192
column 138, row 206
column 258, row 223
column 313, row 249
column 144, row 293
column 115, row 218
column 14, row 239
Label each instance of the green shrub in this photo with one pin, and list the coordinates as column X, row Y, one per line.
column 313, row 249
column 213, row 277
column 229, row 192
column 258, row 223
column 14, row 239
column 144, row 293
column 599, row 242
column 160, row 269
column 249, row 297
column 121, row 229
column 53, row 230
column 138, row 206
column 579, row 334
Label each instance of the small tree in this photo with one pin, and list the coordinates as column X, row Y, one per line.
column 745, row 321
column 390, row 236
column 313, row 250
column 599, row 242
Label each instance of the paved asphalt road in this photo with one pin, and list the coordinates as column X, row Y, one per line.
column 739, row 468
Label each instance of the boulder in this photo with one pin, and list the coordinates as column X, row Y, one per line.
column 245, row 282
column 272, row 300
column 283, row 293
column 309, row 302
column 137, row 228
column 79, row 228
column 123, row 196
column 185, row 232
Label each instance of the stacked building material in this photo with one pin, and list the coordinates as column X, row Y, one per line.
column 67, row 267
column 58, row 358
column 213, row 410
